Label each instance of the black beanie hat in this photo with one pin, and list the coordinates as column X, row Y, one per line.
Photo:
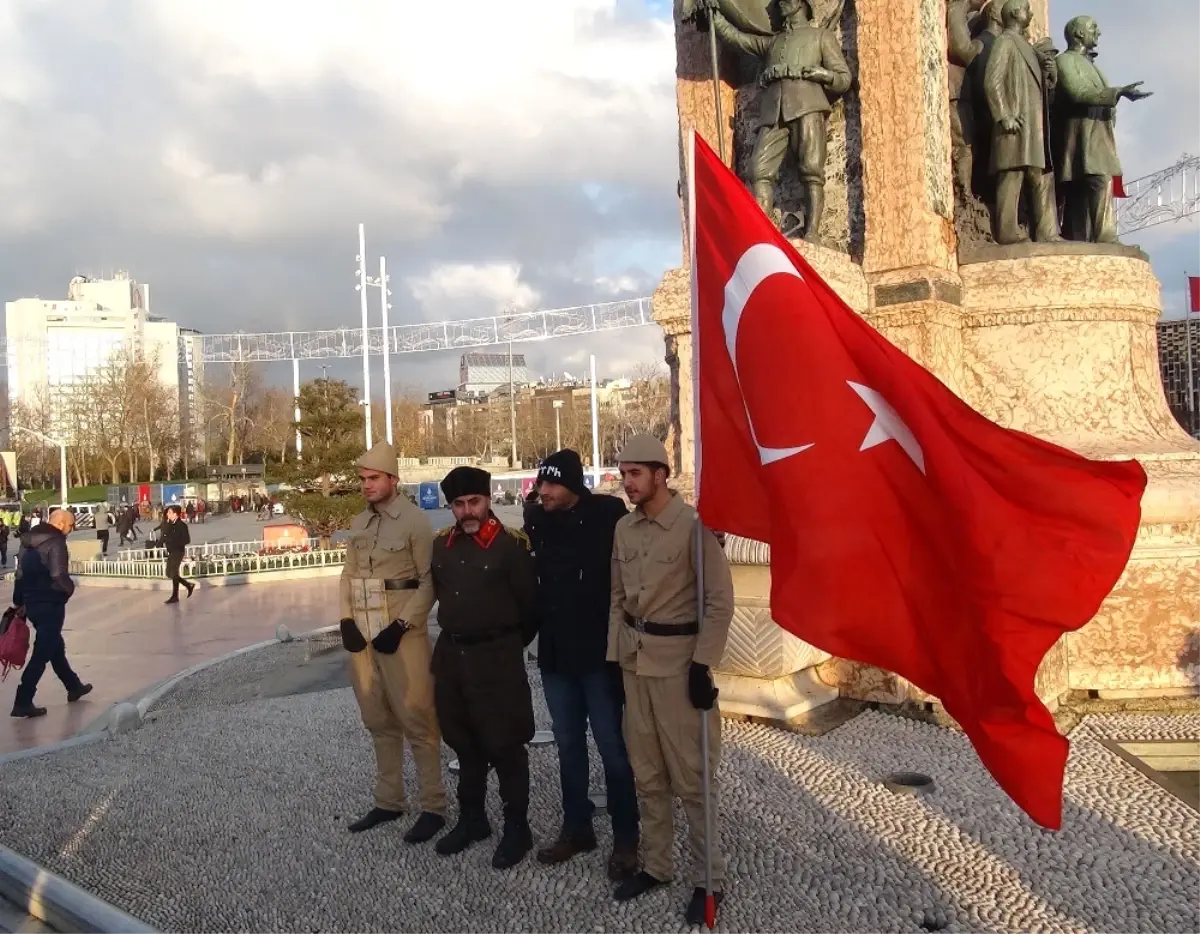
column 564, row 468
column 466, row 481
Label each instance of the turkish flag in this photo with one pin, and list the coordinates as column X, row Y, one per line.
column 907, row 531
column 1119, row 187
column 1193, row 294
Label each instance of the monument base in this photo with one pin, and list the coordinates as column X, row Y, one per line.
column 781, row 700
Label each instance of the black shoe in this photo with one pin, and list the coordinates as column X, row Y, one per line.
column 636, row 885
column 172, row 600
column 82, row 691
column 515, row 842
column 469, row 829
column 191, row 589
column 694, row 914
column 425, row 828
column 373, row 818
column 27, row 710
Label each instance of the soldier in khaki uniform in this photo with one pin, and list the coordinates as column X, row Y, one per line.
column 386, row 595
column 666, row 652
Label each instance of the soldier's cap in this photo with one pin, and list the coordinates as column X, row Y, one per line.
column 381, row 457
column 644, row 449
column 466, row 481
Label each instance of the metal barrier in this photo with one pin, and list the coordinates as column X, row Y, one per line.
column 213, row 565
column 213, row 549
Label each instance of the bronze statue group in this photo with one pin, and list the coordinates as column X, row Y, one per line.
column 626, row 647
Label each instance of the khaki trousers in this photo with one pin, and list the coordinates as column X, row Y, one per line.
column 395, row 698
column 662, row 734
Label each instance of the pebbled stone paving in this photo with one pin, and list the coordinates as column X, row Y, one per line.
column 228, row 813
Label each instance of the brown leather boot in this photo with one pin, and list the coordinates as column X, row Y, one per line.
column 623, row 863
column 565, row 847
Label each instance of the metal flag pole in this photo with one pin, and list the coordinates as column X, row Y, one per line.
column 714, row 61
column 384, row 305
column 710, row 900
column 361, row 288
column 1187, row 343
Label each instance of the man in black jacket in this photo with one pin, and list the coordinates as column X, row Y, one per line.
column 571, row 531
column 43, row 587
column 176, row 538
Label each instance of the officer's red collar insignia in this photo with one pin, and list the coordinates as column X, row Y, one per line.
column 484, row 537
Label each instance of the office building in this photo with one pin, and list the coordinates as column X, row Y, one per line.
column 57, row 345
column 1180, row 374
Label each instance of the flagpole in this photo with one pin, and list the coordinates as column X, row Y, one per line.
column 710, row 904
column 714, row 61
column 1187, row 340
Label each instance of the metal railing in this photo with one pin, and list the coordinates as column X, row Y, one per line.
column 213, row 549
column 213, row 565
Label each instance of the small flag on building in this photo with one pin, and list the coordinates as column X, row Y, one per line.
column 1119, row 187
column 1193, row 294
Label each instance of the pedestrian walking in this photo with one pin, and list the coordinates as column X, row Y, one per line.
column 486, row 587
column 4, row 532
column 666, row 652
column 43, row 586
column 175, row 539
column 102, row 522
column 571, row 531
column 386, row 595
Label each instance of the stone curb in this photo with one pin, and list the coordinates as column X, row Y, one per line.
column 58, row 903
column 282, row 575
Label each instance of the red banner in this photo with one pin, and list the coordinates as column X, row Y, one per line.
column 1193, row 294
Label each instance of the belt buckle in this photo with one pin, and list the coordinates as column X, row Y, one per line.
column 640, row 625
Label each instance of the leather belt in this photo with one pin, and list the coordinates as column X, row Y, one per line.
column 476, row 638
column 401, row 585
column 661, row 629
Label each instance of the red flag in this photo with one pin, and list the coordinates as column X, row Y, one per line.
column 1193, row 293
column 1119, row 187
column 906, row 530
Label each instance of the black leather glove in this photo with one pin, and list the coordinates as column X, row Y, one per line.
column 352, row 639
column 701, row 690
column 388, row 641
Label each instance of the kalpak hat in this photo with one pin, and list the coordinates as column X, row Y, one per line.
column 466, row 481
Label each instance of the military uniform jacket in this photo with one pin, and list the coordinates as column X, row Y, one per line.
column 482, row 588
column 392, row 543
column 654, row 579
column 786, row 96
column 1085, row 110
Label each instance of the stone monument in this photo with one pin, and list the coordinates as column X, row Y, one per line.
column 1056, row 339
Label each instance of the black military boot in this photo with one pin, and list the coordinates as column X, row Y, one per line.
column 427, row 826
column 373, row 818
column 516, row 841
column 471, row 827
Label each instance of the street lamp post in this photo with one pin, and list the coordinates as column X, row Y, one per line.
column 361, row 288
column 384, row 307
column 558, row 404
column 62, row 457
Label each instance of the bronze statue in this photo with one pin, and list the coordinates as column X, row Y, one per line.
column 1085, row 151
column 802, row 66
column 1018, row 82
column 961, row 21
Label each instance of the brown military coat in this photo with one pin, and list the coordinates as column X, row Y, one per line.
column 654, row 578
column 392, row 543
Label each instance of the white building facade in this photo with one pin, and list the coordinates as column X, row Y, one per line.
column 55, row 346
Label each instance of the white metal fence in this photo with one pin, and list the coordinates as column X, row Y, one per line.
column 215, row 549
column 213, row 564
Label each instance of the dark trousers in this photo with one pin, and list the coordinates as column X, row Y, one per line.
column 174, row 560
column 102, row 534
column 4, row 553
column 574, row 702
column 512, row 775
column 48, row 649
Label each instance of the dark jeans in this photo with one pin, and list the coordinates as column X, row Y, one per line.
column 574, row 701
column 174, row 560
column 48, row 649
column 102, row 535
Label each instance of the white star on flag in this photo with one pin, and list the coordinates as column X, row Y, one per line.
column 888, row 426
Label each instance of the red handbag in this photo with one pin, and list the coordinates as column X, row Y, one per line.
column 14, row 640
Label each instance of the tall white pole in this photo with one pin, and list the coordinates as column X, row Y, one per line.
column 512, row 408
column 366, row 350
column 62, row 471
column 557, row 428
column 595, row 429
column 387, row 347
column 296, row 399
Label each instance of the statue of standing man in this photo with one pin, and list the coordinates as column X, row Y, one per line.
column 1085, row 151
column 1018, row 82
column 802, row 66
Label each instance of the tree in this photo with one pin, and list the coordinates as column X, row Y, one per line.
column 330, row 425
column 324, row 515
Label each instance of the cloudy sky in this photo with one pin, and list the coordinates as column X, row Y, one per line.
column 522, row 152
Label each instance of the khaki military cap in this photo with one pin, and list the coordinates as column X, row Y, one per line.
column 381, row 457
column 643, row 449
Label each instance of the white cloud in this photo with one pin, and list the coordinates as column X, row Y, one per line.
column 449, row 287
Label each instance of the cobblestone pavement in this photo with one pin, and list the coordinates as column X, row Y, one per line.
column 229, row 813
